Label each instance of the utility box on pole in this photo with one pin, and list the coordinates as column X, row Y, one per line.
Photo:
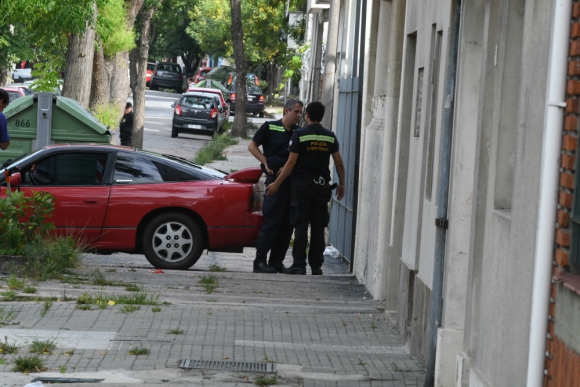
column 44, row 118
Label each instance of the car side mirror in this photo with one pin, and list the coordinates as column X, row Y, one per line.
column 15, row 178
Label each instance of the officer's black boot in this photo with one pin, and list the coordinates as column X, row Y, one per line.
column 261, row 267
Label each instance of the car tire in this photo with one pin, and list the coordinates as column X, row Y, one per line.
column 174, row 133
column 153, row 87
column 186, row 241
column 261, row 114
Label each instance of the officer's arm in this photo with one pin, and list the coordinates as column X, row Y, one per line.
column 339, row 164
column 288, row 167
column 254, row 149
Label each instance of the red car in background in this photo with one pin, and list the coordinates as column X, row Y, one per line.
column 150, row 68
column 200, row 74
column 121, row 199
column 14, row 92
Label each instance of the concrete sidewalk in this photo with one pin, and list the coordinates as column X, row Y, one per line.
column 315, row 330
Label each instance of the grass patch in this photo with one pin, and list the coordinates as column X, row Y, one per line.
column 374, row 326
column 27, row 364
column 14, row 283
column 130, row 308
column 8, row 296
column 62, row 369
column 46, row 307
column 176, row 331
column 7, row 315
column 361, row 363
column 53, row 256
column 133, row 288
column 139, row 351
column 156, row 310
column 217, row 268
column 8, row 347
column 99, row 279
column 102, row 300
column 29, row 289
column 213, row 149
column 208, row 279
column 209, row 289
column 265, row 381
column 44, row 347
column 111, row 270
column 85, row 307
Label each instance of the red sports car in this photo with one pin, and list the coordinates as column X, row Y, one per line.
column 122, row 199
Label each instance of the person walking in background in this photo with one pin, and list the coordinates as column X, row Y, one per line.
column 4, row 136
column 308, row 162
column 276, row 232
column 126, row 125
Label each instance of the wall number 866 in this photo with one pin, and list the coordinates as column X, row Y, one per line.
column 22, row 123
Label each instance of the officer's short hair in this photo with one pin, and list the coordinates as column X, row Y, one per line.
column 315, row 111
column 4, row 97
column 290, row 103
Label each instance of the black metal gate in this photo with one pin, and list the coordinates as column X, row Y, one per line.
column 342, row 225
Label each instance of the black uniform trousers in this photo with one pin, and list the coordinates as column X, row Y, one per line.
column 309, row 208
column 276, row 229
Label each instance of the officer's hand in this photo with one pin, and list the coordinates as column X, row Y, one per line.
column 270, row 172
column 340, row 192
column 272, row 188
column 279, row 172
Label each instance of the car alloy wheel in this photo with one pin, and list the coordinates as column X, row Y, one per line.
column 173, row 241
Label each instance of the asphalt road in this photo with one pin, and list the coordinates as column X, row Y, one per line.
column 157, row 135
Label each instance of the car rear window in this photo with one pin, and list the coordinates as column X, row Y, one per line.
column 254, row 89
column 150, row 66
column 132, row 168
column 169, row 67
column 197, row 101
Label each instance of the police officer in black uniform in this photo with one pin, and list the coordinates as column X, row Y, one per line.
column 309, row 160
column 126, row 125
column 276, row 231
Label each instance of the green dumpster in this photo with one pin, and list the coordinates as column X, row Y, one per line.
column 45, row 118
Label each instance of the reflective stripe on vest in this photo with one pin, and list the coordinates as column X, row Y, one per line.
column 316, row 137
column 277, row 128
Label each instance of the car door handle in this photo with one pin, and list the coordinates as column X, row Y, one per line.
column 92, row 201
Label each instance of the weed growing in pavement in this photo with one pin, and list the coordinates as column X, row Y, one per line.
column 156, row 310
column 217, row 268
column 44, row 347
column 45, row 307
column 133, row 288
column 85, row 307
column 139, row 351
column 176, row 331
column 213, row 149
column 29, row 289
column 209, row 289
column 2, row 361
column 53, row 256
column 7, row 316
column 111, row 270
column 361, row 363
column 141, row 297
column 9, row 347
column 211, row 300
column 374, row 326
column 263, row 381
column 8, row 296
column 100, row 299
column 130, row 308
column 166, row 303
column 62, row 369
column 70, row 352
column 27, row 364
column 99, row 279
column 208, row 279
column 14, row 283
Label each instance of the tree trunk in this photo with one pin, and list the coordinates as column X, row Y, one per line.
column 99, row 86
column 239, row 125
column 79, row 64
column 117, row 70
column 138, row 69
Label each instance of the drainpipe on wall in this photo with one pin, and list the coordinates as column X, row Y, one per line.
column 443, row 199
column 548, row 199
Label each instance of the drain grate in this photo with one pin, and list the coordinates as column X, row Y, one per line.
column 227, row 365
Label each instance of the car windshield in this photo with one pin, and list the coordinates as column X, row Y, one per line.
column 197, row 101
column 210, row 172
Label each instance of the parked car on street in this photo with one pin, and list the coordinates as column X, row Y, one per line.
column 150, row 68
column 167, row 75
column 120, row 199
column 23, row 87
column 217, row 92
column 200, row 74
column 197, row 112
column 255, row 99
column 14, row 92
